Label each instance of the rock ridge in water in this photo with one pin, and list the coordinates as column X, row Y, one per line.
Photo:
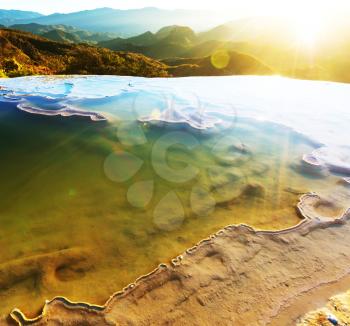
column 64, row 112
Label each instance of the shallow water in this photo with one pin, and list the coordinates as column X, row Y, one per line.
column 88, row 206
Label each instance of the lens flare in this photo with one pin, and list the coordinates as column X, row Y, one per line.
column 220, row 59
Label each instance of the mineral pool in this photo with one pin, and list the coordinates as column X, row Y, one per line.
column 103, row 178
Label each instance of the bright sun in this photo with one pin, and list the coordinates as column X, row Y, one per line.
column 307, row 23
column 308, row 30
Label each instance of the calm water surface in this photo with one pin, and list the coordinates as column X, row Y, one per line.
column 87, row 206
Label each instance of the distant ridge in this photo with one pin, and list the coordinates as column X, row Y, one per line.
column 8, row 17
column 169, row 41
column 63, row 33
column 123, row 22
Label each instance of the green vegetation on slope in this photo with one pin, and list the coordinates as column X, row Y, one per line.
column 23, row 53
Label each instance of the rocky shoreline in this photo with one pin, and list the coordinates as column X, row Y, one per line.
column 237, row 276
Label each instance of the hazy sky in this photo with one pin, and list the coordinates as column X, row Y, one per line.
column 239, row 7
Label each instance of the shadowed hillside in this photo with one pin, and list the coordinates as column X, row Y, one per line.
column 168, row 42
column 230, row 63
column 63, row 33
column 61, row 36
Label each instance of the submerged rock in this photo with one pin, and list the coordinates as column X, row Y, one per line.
column 190, row 116
column 252, row 190
column 308, row 168
column 335, row 159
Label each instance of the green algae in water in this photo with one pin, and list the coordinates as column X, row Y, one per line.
column 90, row 206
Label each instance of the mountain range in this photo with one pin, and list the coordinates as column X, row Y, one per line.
column 272, row 42
column 9, row 17
column 63, row 33
column 23, row 53
column 269, row 40
column 170, row 41
column 122, row 22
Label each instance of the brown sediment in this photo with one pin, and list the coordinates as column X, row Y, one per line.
column 237, row 276
column 44, row 266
